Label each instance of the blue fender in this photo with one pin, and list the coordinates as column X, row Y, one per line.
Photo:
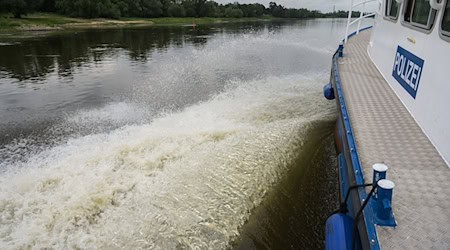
column 328, row 91
column 338, row 234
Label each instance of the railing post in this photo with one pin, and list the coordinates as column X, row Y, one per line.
column 360, row 18
column 348, row 21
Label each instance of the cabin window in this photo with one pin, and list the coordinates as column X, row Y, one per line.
column 446, row 20
column 420, row 14
column 392, row 8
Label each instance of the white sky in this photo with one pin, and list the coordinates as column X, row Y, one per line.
column 322, row 5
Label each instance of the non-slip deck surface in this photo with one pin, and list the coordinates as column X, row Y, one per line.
column 386, row 132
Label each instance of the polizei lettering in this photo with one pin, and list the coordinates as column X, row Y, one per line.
column 408, row 70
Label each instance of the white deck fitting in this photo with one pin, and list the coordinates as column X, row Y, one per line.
column 386, row 132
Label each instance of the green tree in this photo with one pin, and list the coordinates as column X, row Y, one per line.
column 190, row 12
column 145, row 8
column 252, row 10
column 208, row 9
column 219, row 11
column 47, row 6
column 189, row 6
column 233, row 12
column 156, row 8
column 151, row 8
column 176, row 10
column 276, row 10
column 166, row 4
column 122, row 7
column 199, row 7
column 111, row 8
column 3, row 7
column 19, row 7
column 88, row 8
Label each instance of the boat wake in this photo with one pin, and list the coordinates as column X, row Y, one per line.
column 185, row 179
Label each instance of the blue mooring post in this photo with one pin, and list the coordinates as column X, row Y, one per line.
column 379, row 173
column 384, row 202
column 341, row 50
column 382, row 196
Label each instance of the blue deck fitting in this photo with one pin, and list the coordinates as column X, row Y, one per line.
column 341, row 50
column 379, row 173
column 382, row 206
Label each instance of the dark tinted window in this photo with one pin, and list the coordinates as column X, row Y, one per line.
column 446, row 19
column 421, row 12
column 392, row 8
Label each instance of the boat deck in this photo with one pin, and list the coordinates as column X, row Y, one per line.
column 385, row 132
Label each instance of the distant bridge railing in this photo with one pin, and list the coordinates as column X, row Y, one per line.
column 361, row 17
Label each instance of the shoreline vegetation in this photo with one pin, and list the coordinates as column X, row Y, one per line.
column 47, row 15
column 54, row 22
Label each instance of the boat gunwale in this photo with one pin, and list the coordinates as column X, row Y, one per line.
column 348, row 138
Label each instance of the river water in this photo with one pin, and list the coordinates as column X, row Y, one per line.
column 213, row 136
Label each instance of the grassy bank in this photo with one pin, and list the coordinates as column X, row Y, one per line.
column 46, row 21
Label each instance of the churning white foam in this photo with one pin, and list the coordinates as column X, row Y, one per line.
column 187, row 179
column 115, row 114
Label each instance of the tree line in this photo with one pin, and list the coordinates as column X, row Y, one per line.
column 157, row 8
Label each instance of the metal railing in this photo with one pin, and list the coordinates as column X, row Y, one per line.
column 361, row 17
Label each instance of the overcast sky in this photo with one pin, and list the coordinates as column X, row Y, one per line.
column 322, row 5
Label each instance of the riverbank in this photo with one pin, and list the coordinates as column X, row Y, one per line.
column 48, row 22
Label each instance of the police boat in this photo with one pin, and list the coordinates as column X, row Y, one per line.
column 391, row 83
